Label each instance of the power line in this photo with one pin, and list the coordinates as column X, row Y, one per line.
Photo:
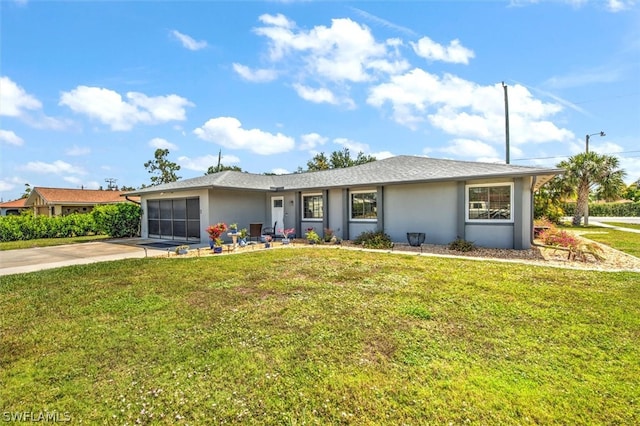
column 567, row 156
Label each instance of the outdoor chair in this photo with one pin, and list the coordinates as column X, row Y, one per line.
column 270, row 231
column 255, row 231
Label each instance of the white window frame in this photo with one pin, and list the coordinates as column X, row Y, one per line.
column 363, row 191
column 488, row 185
column 313, row 219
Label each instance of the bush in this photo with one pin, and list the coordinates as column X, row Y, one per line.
column 118, row 220
column 29, row 227
column 460, row 244
column 374, row 240
column 606, row 209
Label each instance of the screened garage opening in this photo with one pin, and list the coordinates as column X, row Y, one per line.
column 174, row 219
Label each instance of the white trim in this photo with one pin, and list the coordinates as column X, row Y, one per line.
column 362, row 191
column 487, row 185
column 311, row 219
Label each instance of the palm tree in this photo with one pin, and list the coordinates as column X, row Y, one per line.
column 586, row 171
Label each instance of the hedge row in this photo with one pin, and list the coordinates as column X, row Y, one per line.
column 606, row 209
column 117, row 220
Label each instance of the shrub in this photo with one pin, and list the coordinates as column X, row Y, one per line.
column 460, row 244
column 575, row 247
column 374, row 240
column 118, row 220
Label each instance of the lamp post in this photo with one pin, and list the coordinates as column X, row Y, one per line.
column 586, row 149
column 589, row 136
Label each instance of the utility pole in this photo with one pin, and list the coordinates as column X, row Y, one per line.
column 506, row 119
column 110, row 183
column 219, row 160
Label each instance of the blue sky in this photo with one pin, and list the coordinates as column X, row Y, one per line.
column 89, row 90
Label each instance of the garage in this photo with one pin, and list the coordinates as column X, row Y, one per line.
column 174, row 219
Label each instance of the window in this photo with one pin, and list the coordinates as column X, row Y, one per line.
column 312, row 206
column 489, row 202
column 364, row 205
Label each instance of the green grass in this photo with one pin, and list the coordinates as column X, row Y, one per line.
column 313, row 336
column 48, row 242
column 624, row 225
column 628, row 242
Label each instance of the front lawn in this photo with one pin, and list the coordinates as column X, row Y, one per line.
column 48, row 242
column 321, row 336
column 628, row 242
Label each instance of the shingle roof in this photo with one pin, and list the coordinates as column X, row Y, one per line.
column 76, row 196
column 393, row 170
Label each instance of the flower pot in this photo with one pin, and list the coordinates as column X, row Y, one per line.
column 183, row 251
column 285, row 241
column 416, row 239
column 267, row 245
column 242, row 242
column 217, row 249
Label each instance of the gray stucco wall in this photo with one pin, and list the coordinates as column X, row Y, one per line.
column 241, row 207
column 428, row 208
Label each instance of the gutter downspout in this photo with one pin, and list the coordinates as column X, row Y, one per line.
column 126, row 197
column 531, row 239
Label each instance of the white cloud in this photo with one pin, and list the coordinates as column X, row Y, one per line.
column 344, row 52
column 188, row 42
column 454, row 53
column 315, row 95
column 620, row 5
column 311, row 140
column 382, row 155
column 202, row 164
column 76, row 151
column 10, row 183
column 109, row 108
column 255, row 76
column 468, row 148
column 279, row 171
column 228, row 132
column 468, row 110
column 14, row 100
column 58, row 167
column 160, row 143
column 353, row 146
column 10, row 138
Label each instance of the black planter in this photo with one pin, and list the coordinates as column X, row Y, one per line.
column 416, row 239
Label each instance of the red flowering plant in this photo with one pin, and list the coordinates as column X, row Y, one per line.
column 216, row 231
column 286, row 232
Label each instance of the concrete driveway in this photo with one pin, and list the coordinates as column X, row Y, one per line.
column 39, row 258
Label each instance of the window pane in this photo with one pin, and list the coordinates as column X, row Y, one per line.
column 490, row 202
column 165, row 228
column 278, row 203
column 179, row 209
column 312, row 205
column 193, row 229
column 364, row 206
column 154, row 227
column 165, row 209
column 180, row 229
column 153, row 209
column 193, row 208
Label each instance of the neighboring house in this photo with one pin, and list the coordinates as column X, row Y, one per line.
column 14, row 207
column 64, row 201
column 489, row 204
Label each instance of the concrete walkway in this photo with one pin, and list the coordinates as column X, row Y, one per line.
column 40, row 258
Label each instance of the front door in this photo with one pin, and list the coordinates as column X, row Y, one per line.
column 277, row 213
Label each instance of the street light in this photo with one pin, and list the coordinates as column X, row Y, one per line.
column 586, row 212
column 587, row 139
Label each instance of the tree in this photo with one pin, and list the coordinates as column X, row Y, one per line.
column 165, row 169
column 221, row 168
column 337, row 160
column 633, row 191
column 27, row 191
column 586, row 171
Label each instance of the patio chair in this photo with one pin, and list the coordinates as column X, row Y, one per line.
column 270, row 231
column 255, row 231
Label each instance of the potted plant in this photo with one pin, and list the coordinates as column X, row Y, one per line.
column 242, row 240
column 286, row 233
column 267, row 241
column 183, row 249
column 312, row 236
column 233, row 228
column 215, row 232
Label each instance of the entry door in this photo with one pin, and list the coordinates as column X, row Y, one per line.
column 277, row 212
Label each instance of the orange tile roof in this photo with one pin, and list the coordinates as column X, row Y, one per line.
column 78, row 196
column 14, row 204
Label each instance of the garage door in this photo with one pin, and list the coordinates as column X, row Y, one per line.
column 175, row 219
